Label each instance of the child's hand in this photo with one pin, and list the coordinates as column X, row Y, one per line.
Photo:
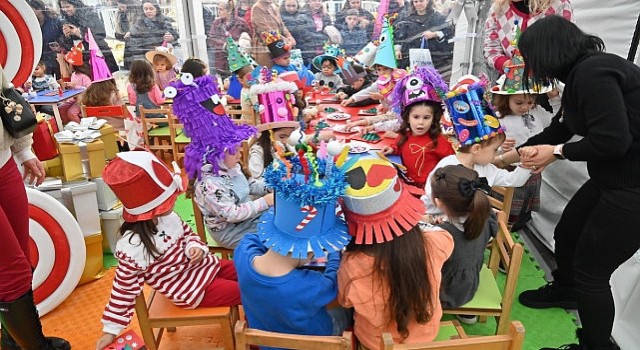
column 195, row 255
column 269, row 199
column 376, row 96
column 508, row 144
column 383, row 109
column 367, row 129
column 106, row 339
column 553, row 93
column 386, row 150
column 390, row 134
column 347, row 101
column 351, row 125
column 341, row 95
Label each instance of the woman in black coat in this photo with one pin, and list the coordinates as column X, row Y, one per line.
column 302, row 27
column 51, row 28
column 151, row 30
column 129, row 12
column 81, row 16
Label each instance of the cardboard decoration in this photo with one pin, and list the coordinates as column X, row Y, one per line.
column 20, row 40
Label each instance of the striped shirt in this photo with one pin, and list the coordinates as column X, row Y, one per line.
column 170, row 274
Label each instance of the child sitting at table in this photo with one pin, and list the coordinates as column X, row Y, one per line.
column 420, row 143
column 278, row 294
column 480, row 135
column 221, row 190
column 76, row 75
column 163, row 61
column 356, row 79
column 195, row 66
column 142, row 89
column 40, row 80
column 104, row 92
column 241, row 67
column 391, row 271
column 281, row 57
column 327, row 77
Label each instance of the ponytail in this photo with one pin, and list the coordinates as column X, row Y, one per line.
column 479, row 211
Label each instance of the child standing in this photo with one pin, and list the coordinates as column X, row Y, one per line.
column 420, row 143
column 522, row 118
column 163, row 61
column 142, row 89
column 462, row 196
column 277, row 295
column 390, row 273
column 480, row 135
column 157, row 247
column 354, row 37
column 326, row 64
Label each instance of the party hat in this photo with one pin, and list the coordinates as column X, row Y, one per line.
column 99, row 66
column 424, row 83
column 235, row 58
column 332, row 51
column 273, row 99
column 385, row 55
column 275, row 43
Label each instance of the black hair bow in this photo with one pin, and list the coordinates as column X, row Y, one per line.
column 468, row 188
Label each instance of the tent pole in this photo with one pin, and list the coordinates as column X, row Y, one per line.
column 634, row 42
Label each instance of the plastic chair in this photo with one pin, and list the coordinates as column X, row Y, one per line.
column 247, row 336
column 158, row 135
column 159, row 312
column 490, row 299
column 512, row 340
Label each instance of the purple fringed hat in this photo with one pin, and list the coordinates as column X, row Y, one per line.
column 200, row 108
column 424, row 83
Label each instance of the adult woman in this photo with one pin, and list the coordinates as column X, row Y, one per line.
column 314, row 39
column 504, row 15
column 366, row 18
column 422, row 21
column 20, row 322
column 129, row 11
column 597, row 230
column 226, row 24
column 82, row 17
column 151, row 30
column 51, row 30
column 301, row 27
column 265, row 17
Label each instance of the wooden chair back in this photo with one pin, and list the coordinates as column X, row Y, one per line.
column 491, row 299
column 224, row 253
column 156, row 130
column 247, row 336
column 178, row 139
column 501, row 198
column 160, row 313
column 511, row 340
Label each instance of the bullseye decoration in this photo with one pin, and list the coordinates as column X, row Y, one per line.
column 58, row 251
column 20, row 40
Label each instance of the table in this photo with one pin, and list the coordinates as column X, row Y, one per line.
column 52, row 98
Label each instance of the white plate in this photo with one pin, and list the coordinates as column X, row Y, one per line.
column 358, row 148
column 338, row 116
column 342, row 129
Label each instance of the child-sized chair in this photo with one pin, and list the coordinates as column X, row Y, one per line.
column 224, row 253
column 247, row 336
column 159, row 312
column 512, row 340
column 156, row 130
column 491, row 299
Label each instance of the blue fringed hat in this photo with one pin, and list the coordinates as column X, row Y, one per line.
column 307, row 186
column 332, row 51
column 472, row 116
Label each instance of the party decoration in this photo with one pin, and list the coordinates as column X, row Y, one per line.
column 274, row 100
column 20, row 40
column 422, row 84
column 275, row 43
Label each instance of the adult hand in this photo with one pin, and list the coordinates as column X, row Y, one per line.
column 127, row 35
column 269, row 199
column 429, row 35
column 106, row 339
column 386, row 150
column 33, row 171
column 508, row 144
column 168, row 37
column 537, row 157
column 292, row 41
column 195, row 255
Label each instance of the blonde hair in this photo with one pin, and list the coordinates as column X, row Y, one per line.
column 535, row 6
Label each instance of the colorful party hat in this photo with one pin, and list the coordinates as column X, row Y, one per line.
column 351, row 71
column 275, row 43
column 367, row 54
column 273, row 99
column 385, row 55
column 332, row 51
column 236, row 58
column 424, row 83
column 101, row 71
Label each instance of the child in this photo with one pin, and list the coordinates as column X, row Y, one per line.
column 522, row 118
column 40, row 80
column 326, row 64
column 354, row 37
column 262, row 151
column 277, row 295
column 480, row 136
column 157, row 247
column 240, row 66
column 390, row 273
column 163, row 61
column 195, row 66
column 142, row 89
column 356, row 79
column 104, row 92
column 461, row 195
column 281, row 57
column 420, row 143
column 80, row 77
column 221, row 189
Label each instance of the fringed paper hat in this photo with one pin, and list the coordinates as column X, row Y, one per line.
column 274, row 100
column 386, row 83
column 162, row 51
column 200, row 108
column 378, row 205
column 513, row 81
column 307, row 186
column 275, row 43
column 385, row 55
column 332, row 51
column 472, row 115
column 237, row 58
column 424, row 83
column 350, row 71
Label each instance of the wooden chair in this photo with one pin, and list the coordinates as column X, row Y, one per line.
column 490, row 299
column 160, row 313
column 178, row 139
column 156, row 130
column 225, row 253
column 512, row 340
column 501, row 198
column 247, row 336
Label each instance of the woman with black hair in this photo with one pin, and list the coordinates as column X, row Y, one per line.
column 129, row 12
column 51, row 28
column 81, row 17
column 151, row 30
column 598, row 228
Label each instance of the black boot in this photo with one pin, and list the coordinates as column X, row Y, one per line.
column 20, row 321
column 550, row 295
column 583, row 345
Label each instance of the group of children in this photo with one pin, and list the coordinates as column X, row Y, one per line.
column 430, row 223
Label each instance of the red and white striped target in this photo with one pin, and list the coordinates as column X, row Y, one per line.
column 20, row 40
column 58, row 251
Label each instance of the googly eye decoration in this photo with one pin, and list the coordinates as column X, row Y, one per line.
column 413, row 84
column 170, row 92
column 186, row 78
